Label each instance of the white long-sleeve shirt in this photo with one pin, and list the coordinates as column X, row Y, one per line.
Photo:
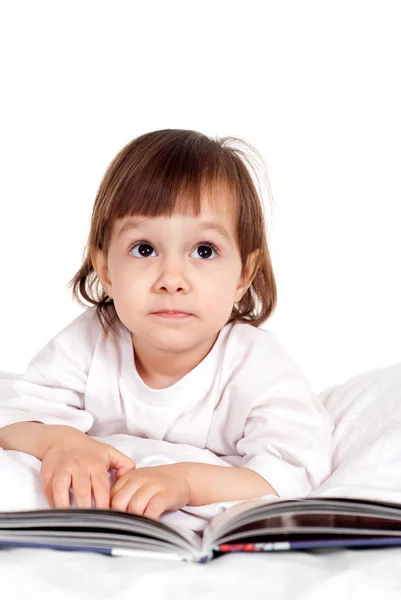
column 246, row 401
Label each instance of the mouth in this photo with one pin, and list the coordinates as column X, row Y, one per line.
column 172, row 314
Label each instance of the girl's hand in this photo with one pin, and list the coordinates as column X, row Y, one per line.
column 150, row 491
column 76, row 460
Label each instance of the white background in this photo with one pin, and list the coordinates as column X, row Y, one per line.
column 314, row 86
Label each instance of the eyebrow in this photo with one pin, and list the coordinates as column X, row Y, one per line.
column 204, row 226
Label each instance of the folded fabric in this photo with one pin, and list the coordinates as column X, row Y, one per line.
column 366, row 445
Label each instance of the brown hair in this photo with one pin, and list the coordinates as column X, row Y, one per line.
column 148, row 176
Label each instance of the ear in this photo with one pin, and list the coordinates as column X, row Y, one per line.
column 99, row 262
column 249, row 272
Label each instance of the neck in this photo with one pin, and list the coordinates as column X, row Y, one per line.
column 159, row 368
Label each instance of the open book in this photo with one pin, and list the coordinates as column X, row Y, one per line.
column 252, row 526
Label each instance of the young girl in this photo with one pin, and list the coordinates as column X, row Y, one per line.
column 178, row 270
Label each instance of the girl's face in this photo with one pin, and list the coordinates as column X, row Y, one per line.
column 178, row 263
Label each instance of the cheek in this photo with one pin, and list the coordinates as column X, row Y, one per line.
column 224, row 280
column 126, row 285
column 218, row 292
column 124, row 275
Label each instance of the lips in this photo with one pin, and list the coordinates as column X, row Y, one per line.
column 171, row 312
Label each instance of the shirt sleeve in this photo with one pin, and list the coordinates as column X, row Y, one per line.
column 52, row 389
column 287, row 438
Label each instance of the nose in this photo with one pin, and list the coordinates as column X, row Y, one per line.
column 172, row 277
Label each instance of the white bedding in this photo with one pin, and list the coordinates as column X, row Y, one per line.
column 366, row 463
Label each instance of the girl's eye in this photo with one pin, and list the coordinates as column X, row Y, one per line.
column 204, row 250
column 144, row 250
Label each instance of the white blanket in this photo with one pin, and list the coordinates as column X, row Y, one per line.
column 366, row 449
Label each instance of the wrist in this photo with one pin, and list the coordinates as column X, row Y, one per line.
column 183, row 470
column 34, row 437
column 55, row 435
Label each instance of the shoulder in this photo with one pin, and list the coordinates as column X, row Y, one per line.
column 84, row 329
column 254, row 358
column 75, row 342
column 252, row 345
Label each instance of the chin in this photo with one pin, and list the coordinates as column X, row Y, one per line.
column 173, row 340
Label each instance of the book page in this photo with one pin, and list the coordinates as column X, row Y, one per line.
column 229, row 515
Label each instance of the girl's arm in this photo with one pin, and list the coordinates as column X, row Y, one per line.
column 284, row 449
column 52, row 389
column 211, row 483
column 32, row 437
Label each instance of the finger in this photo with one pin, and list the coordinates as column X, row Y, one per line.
column 120, row 462
column 61, row 489
column 122, row 471
column 157, row 505
column 46, row 478
column 117, row 486
column 121, row 498
column 81, row 485
column 140, row 500
column 101, row 489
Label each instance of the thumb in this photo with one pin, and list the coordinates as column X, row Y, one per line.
column 120, row 462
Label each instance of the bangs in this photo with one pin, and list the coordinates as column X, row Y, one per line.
column 172, row 177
